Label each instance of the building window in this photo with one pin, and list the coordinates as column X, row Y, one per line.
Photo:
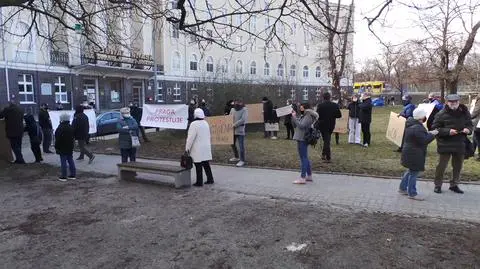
column 25, row 88
column 160, row 92
column 175, row 31
column 210, row 64
column 305, row 71
column 60, row 90
column 176, row 93
column 177, row 61
column 240, row 42
column 266, row 69
column 173, row 4
column 318, row 72
column 225, row 66
column 293, row 94
column 253, row 24
column 224, row 14
column 194, row 87
column 280, row 70
column 305, row 94
column 293, row 70
column 115, row 96
column 239, row 67
column 253, row 47
column 253, row 68
column 194, row 63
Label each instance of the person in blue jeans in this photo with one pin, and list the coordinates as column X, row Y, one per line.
column 127, row 128
column 240, row 116
column 302, row 123
column 64, row 143
column 414, row 152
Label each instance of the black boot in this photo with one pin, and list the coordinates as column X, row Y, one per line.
column 456, row 189
column 209, row 181
column 438, row 190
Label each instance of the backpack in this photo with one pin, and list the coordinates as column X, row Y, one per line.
column 312, row 135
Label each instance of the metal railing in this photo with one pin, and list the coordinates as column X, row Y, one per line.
column 59, row 58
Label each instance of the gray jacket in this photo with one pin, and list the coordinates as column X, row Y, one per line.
column 239, row 120
column 302, row 123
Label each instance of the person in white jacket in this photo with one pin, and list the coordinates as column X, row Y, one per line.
column 199, row 147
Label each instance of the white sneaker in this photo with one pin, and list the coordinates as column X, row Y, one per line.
column 234, row 160
column 274, row 138
column 300, row 181
column 71, row 178
column 240, row 164
column 365, row 145
column 62, row 179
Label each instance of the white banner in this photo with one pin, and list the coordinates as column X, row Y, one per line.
column 283, row 111
column 92, row 118
column 472, row 105
column 165, row 116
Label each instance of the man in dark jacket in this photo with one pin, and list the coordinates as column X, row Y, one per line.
column 46, row 125
column 453, row 123
column 354, row 126
column 267, row 114
column 137, row 113
column 228, row 107
column 328, row 112
column 80, row 129
column 14, row 129
column 204, row 107
column 35, row 134
column 288, row 122
column 64, row 143
column 366, row 118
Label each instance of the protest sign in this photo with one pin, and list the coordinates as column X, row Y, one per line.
column 283, row 111
column 341, row 125
column 429, row 109
column 472, row 105
column 271, row 127
column 5, row 149
column 221, row 129
column 255, row 113
column 165, row 116
column 92, row 118
column 395, row 129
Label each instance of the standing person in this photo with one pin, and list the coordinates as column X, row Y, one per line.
column 64, row 143
column 191, row 109
column 275, row 120
column 137, row 113
column 127, row 127
column 46, row 125
column 476, row 132
column 366, row 118
column 14, row 129
column 204, row 107
column 288, row 122
column 240, row 116
column 35, row 134
column 59, row 106
column 454, row 123
column 415, row 152
column 228, row 107
column 328, row 112
column 302, row 123
column 199, row 147
column 433, row 99
column 80, row 128
column 267, row 114
column 354, row 126
column 407, row 112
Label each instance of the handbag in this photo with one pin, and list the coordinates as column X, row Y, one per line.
column 135, row 141
column 186, row 161
column 469, row 150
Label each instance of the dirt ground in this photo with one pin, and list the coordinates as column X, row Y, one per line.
column 99, row 222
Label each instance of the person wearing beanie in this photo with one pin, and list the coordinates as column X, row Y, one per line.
column 36, row 136
column 414, row 153
column 128, row 131
column 199, row 147
column 64, row 143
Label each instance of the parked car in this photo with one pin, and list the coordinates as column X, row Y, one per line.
column 107, row 122
column 378, row 102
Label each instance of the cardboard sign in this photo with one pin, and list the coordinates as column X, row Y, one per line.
column 272, row 127
column 472, row 105
column 283, row 111
column 429, row 109
column 221, row 129
column 395, row 129
column 92, row 118
column 5, row 148
column 255, row 113
column 341, row 125
column 165, row 116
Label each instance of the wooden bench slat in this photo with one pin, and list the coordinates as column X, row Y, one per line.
column 152, row 166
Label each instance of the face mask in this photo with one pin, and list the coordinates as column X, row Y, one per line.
column 302, row 112
column 355, row 99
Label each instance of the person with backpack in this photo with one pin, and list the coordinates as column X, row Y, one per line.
column 303, row 124
column 64, row 144
column 35, row 134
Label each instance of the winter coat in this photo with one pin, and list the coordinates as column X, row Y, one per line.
column 354, row 110
column 44, row 119
column 33, row 129
column 13, row 116
column 64, row 139
column 199, row 141
column 328, row 112
column 275, row 118
column 452, row 119
column 366, row 111
column 407, row 111
column 240, row 118
column 414, row 151
column 302, row 123
column 226, row 110
column 476, row 115
column 206, row 111
column 268, row 112
column 80, row 126
column 126, row 127
column 136, row 113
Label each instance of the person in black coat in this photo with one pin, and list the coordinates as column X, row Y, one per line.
column 64, row 144
column 414, row 152
column 81, row 127
column 35, row 134
column 46, row 125
column 288, row 121
column 204, row 107
column 228, row 107
column 354, row 126
column 137, row 114
column 328, row 112
column 366, row 118
column 14, row 129
column 267, row 114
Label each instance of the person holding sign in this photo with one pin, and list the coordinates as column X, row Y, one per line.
column 240, row 116
column 407, row 112
column 476, row 126
column 288, row 121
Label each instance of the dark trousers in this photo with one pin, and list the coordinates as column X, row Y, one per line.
column 366, row 133
column 47, row 139
column 337, row 138
column 327, row 138
column 64, row 160
column 208, row 171
column 290, row 131
column 35, row 146
column 144, row 135
column 241, row 144
column 457, row 164
column 83, row 150
column 130, row 153
column 16, row 144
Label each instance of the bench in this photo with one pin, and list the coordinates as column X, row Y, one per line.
column 128, row 171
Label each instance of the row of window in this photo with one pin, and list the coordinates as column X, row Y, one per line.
column 26, row 90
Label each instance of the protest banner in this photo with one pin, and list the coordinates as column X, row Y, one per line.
column 395, row 129
column 92, row 118
column 429, row 109
column 472, row 105
column 255, row 113
column 5, row 149
column 272, row 127
column 165, row 116
column 221, row 129
column 341, row 125
column 283, row 111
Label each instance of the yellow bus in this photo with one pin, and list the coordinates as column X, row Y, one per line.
column 372, row 87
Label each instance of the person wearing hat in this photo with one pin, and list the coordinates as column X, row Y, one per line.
column 127, row 127
column 414, row 152
column 46, row 125
column 64, row 143
column 365, row 118
column 453, row 123
column 81, row 127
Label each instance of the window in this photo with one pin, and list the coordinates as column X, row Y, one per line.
column 266, row 69
column 280, row 70
column 253, row 47
column 115, row 96
column 293, row 70
column 224, row 13
column 253, row 68
column 176, row 93
column 173, row 4
column 240, row 42
column 239, row 67
column 318, row 72
column 267, row 22
column 60, row 90
column 176, row 61
column 159, row 92
column 194, row 87
column 305, row 71
column 293, row 94
column 239, row 19
column 193, row 63
column 25, row 88
column 210, row 64
column 225, row 66
column 253, row 24
column 175, row 31
column 305, row 94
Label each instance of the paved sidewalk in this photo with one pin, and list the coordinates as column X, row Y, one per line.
column 358, row 193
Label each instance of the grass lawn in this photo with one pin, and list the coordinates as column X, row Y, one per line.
column 379, row 159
